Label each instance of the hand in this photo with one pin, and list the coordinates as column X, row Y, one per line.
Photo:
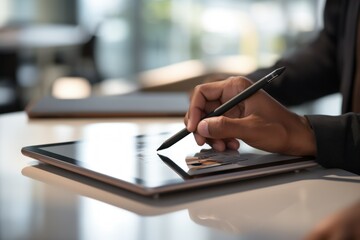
column 260, row 121
column 342, row 225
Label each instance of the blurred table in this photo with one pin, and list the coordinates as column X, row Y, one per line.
column 41, row 36
column 49, row 203
column 44, row 53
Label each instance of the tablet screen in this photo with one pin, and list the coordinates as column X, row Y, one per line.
column 124, row 155
column 134, row 159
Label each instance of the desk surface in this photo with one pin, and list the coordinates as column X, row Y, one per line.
column 49, row 203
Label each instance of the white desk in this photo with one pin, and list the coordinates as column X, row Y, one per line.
column 54, row 204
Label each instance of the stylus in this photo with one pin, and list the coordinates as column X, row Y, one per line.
column 228, row 105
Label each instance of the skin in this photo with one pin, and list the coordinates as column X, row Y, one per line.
column 342, row 225
column 260, row 121
column 263, row 123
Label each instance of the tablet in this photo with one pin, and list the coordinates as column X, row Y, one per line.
column 132, row 163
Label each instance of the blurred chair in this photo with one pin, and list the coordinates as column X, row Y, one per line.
column 86, row 66
column 10, row 99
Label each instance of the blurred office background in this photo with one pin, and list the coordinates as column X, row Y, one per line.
column 73, row 48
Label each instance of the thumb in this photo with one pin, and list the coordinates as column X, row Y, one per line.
column 220, row 127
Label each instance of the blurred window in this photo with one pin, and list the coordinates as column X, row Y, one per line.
column 141, row 35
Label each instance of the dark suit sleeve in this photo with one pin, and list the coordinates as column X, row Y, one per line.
column 311, row 72
column 338, row 140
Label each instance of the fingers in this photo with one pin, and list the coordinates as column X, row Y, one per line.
column 254, row 130
column 217, row 144
column 207, row 97
column 202, row 96
column 220, row 128
column 216, row 139
column 260, row 121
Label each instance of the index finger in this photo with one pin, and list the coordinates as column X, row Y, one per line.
column 202, row 95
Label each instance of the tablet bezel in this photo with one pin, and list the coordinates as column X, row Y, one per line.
column 190, row 182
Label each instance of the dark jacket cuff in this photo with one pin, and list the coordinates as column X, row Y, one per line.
column 337, row 140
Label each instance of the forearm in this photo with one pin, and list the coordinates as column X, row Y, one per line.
column 337, row 140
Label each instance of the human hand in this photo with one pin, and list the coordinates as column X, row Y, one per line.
column 260, row 121
column 342, row 225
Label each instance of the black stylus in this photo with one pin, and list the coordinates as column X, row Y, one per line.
column 228, row 105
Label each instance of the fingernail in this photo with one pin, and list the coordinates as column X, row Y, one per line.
column 233, row 145
column 217, row 146
column 189, row 126
column 199, row 139
column 203, row 129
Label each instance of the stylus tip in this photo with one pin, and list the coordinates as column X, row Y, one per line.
column 160, row 148
column 280, row 70
column 163, row 146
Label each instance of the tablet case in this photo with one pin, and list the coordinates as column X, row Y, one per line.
column 129, row 105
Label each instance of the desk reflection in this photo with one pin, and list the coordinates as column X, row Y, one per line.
column 278, row 207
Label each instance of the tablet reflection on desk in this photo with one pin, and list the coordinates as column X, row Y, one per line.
column 286, row 205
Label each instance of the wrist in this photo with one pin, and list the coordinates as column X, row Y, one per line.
column 301, row 141
column 309, row 140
